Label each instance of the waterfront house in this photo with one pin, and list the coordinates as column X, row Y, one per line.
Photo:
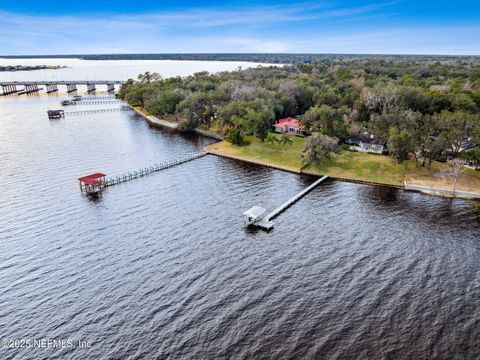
column 289, row 126
column 367, row 144
column 467, row 144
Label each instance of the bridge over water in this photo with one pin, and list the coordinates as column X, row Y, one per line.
column 29, row 87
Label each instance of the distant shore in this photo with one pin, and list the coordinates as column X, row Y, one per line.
column 270, row 58
column 11, row 68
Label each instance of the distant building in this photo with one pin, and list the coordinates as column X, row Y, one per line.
column 367, row 144
column 289, row 126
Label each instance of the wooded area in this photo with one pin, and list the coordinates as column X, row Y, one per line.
column 425, row 108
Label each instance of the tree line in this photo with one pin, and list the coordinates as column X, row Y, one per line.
column 274, row 58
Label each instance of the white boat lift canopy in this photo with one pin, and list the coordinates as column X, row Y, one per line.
column 255, row 213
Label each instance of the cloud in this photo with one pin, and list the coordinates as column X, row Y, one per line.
column 305, row 27
column 192, row 18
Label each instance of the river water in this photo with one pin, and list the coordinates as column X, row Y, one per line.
column 162, row 267
column 91, row 70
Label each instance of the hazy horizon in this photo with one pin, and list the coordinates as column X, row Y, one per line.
column 78, row 55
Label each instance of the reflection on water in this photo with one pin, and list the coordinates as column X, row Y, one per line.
column 162, row 267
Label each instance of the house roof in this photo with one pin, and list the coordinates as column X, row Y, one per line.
column 367, row 140
column 255, row 212
column 288, row 122
column 468, row 143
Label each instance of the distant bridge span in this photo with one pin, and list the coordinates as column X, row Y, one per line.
column 11, row 87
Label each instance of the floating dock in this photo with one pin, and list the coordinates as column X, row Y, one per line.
column 255, row 215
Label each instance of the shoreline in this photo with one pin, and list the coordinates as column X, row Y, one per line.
column 300, row 172
column 407, row 186
column 161, row 123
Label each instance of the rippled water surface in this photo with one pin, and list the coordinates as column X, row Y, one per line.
column 162, row 267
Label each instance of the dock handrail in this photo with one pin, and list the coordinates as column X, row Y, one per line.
column 293, row 200
column 132, row 175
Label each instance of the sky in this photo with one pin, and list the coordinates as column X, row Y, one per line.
column 50, row 27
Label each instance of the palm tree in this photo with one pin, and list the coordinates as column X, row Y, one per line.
column 271, row 139
column 286, row 141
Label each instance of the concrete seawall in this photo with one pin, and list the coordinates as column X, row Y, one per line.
column 441, row 192
column 154, row 121
column 301, row 172
column 407, row 185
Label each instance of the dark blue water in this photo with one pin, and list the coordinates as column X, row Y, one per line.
column 162, row 267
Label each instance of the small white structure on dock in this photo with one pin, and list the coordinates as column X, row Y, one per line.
column 255, row 216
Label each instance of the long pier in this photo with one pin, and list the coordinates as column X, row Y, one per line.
column 293, row 200
column 10, row 87
column 95, row 183
column 94, row 111
column 265, row 221
column 99, row 102
column 149, row 170
column 95, row 98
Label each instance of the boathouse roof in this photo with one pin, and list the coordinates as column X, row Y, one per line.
column 92, row 179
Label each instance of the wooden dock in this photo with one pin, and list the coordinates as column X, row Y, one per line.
column 98, row 97
column 149, row 170
column 95, row 102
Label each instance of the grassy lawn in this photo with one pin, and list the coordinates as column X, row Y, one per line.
column 258, row 151
column 347, row 164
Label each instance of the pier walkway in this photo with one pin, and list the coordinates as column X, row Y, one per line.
column 293, row 200
column 98, row 97
column 95, row 102
column 255, row 216
column 149, row 170
column 93, row 111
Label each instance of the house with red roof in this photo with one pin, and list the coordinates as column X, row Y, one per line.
column 289, row 126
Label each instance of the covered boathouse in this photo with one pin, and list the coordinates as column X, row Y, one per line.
column 92, row 184
column 55, row 114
